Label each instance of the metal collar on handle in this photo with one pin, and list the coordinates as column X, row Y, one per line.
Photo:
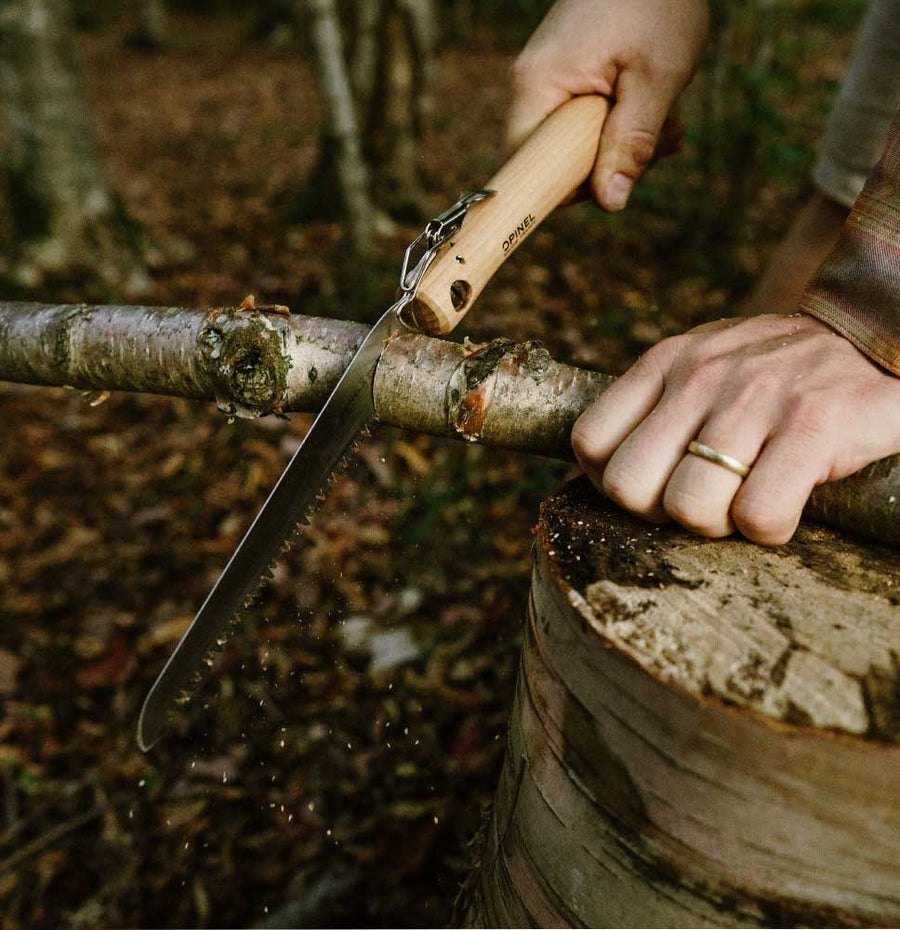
column 430, row 241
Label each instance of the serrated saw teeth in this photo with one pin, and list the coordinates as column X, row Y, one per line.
column 299, row 490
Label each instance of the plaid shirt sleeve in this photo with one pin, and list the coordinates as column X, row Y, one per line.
column 857, row 289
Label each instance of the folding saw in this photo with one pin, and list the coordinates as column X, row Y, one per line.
column 444, row 271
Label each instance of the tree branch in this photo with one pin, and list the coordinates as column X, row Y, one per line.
column 257, row 362
column 250, row 362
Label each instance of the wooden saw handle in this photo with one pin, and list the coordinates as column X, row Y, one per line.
column 555, row 160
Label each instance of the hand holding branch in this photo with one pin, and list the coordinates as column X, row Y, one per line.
column 783, row 394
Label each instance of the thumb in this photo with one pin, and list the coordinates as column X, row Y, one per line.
column 629, row 138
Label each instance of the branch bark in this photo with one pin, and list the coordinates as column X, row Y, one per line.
column 253, row 363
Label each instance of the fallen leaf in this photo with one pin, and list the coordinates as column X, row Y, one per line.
column 161, row 634
column 113, row 670
column 181, row 813
column 9, row 672
column 415, row 461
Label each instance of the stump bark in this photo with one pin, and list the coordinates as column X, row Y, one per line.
column 705, row 733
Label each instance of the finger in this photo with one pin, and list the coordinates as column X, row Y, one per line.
column 700, row 493
column 714, row 326
column 534, row 99
column 639, row 470
column 629, row 138
column 768, row 506
column 607, row 422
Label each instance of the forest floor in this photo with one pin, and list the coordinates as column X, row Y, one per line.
column 345, row 746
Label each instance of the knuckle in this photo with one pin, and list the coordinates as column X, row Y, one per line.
column 754, row 377
column 753, row 385
column 812, row 417
column 760, row 522
column 660, row 356
column 586, row 444
column 639, row 146
column 700, row 376
column 690, row 511
column 650, row 364
column 622, row 486
column 525, row 72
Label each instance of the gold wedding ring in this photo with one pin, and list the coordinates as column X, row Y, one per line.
column 719, row 458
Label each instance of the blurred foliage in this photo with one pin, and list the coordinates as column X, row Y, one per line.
column 508, row 20
column 753, row 116
column 838, row 14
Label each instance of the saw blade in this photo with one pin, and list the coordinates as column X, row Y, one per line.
column 345, row 414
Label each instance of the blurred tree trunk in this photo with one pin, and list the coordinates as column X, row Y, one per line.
column 151, row 31
column 740, row 121
column 341, row 143
column 390, row 49
column 421, row 21
column 66, row 218
column 276, row 21
column 364, row 52
column 398, row 106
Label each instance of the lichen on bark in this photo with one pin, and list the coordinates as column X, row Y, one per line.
column 246, row 360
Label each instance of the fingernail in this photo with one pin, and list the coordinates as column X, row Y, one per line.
column 617, row 192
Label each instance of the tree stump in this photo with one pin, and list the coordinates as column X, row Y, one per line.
column 704, row 733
